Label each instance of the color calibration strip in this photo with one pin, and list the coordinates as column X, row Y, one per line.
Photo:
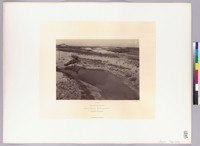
column 195, row 73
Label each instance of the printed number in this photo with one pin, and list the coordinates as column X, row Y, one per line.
column 185, row 134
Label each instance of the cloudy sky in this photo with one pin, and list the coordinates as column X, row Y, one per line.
column 100, row 42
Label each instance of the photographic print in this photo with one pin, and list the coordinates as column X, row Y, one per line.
column 97, row 69
column 96, row 78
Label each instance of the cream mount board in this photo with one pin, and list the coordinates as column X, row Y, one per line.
column 32, row 112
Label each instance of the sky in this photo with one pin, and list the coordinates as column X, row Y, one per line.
column 100, row 42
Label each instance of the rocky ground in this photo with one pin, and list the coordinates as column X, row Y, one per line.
column 120, row 62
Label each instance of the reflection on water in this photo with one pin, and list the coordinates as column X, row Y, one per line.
column 111, row 86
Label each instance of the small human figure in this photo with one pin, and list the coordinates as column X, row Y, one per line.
column 75, row 59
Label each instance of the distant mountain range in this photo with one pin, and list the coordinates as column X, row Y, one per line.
column 69, row 48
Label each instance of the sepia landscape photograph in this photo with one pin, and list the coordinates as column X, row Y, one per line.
column 97, row 69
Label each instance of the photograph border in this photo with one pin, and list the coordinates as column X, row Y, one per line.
column 144, row 31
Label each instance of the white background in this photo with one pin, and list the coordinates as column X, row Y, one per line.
column 21, row 75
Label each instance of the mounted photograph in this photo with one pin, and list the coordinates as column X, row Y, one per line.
column 97, row 69
column 118, row 77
